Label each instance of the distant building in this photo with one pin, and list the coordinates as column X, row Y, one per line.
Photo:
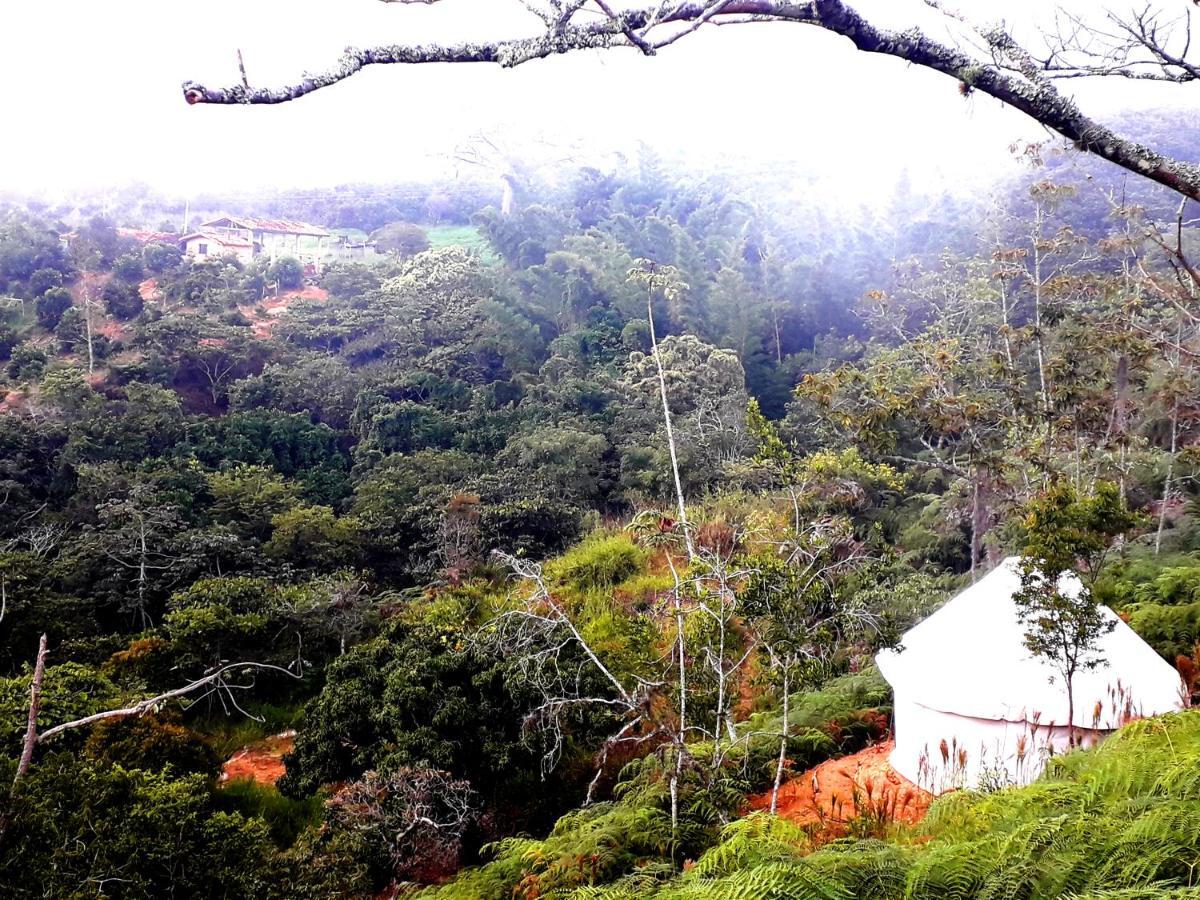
column 246, row 239
column 356, row 250
column 203, row 244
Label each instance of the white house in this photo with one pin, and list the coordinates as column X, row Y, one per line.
column 277, row 237
column 973, row 705
column 248, row 238
column 203, row 244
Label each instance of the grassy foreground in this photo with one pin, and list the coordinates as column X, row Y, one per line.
column 1119, row 821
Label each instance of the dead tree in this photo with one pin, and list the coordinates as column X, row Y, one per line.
column 1145, row 46
column 560, row 663
column 664, row 280
column 216, row 682
column 418, row 814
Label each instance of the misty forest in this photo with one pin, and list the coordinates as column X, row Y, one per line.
column 556, row 528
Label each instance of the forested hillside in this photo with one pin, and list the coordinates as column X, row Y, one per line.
column 563, row 536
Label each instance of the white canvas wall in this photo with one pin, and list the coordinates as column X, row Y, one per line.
column 977, row 750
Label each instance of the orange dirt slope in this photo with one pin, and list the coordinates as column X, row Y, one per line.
column 839, row 790
column 261, row 761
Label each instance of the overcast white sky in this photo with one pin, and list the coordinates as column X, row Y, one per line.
column 89, row 95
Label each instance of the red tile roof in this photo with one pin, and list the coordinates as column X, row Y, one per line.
column 281, row 226
column 224, row 240
column 148, row 237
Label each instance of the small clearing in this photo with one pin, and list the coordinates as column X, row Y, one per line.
column 266, row 313
column 839, row 790
column 261, row 761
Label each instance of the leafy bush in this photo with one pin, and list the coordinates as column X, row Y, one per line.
column 1173, row 586
column 287, row 271
column 285, row 817
column 629, row 840
column 129, row 267
column 1170, row 630
column 26, row 362
column 159, row 257
column 71, row 330
column 8, row 340
column 401, row 238
column 44, row 280
column 152, row 742
column 76, row 822
column 535, row 528
column 50, row 307
column 599, row 562
column 1121, row 820
column 122, row 299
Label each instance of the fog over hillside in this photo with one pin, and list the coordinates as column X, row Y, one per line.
column 723, row 465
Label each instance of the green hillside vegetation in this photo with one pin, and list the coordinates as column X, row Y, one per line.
column 465, row 236
column 561, row 536
column 1119, row 821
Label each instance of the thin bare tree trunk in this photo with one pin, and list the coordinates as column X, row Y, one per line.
column 35, row 705
column 87, row 321
column 1071, row 711
column 662, row 388
column 974, row 526
column 31, row 735
column 778, row 346
column 1007, row 331
column 783, row 739
column 1167, row 483
column 142, row 577
column 680, row 649
column 1038, row 337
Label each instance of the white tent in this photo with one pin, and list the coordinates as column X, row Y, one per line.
column 973, row 705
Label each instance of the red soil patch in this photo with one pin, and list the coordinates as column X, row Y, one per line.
column 265, row 314
column 11, row 401
column 261, row 761
column 92, row 283
column 839, row 790
column 111, row 329
column 149, row 291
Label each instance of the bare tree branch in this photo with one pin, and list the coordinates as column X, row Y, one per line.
column 419, row 814
column 216, row 680
column 630, row 35
column 1012, row 76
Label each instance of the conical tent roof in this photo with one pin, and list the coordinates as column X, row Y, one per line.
column 969, row 658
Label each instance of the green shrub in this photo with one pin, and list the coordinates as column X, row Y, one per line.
column 599, row 562
column 285, row 817
column 1118, row 821
column 287, row 271
column 129, row 267
column 122, row 299
column 1170, row 630
column 50, row 307
column 152, row 742
column 1172, row 587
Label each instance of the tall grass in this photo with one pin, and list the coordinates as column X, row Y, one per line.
column 285, row 818
column 467, row 236
column 230, row 733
